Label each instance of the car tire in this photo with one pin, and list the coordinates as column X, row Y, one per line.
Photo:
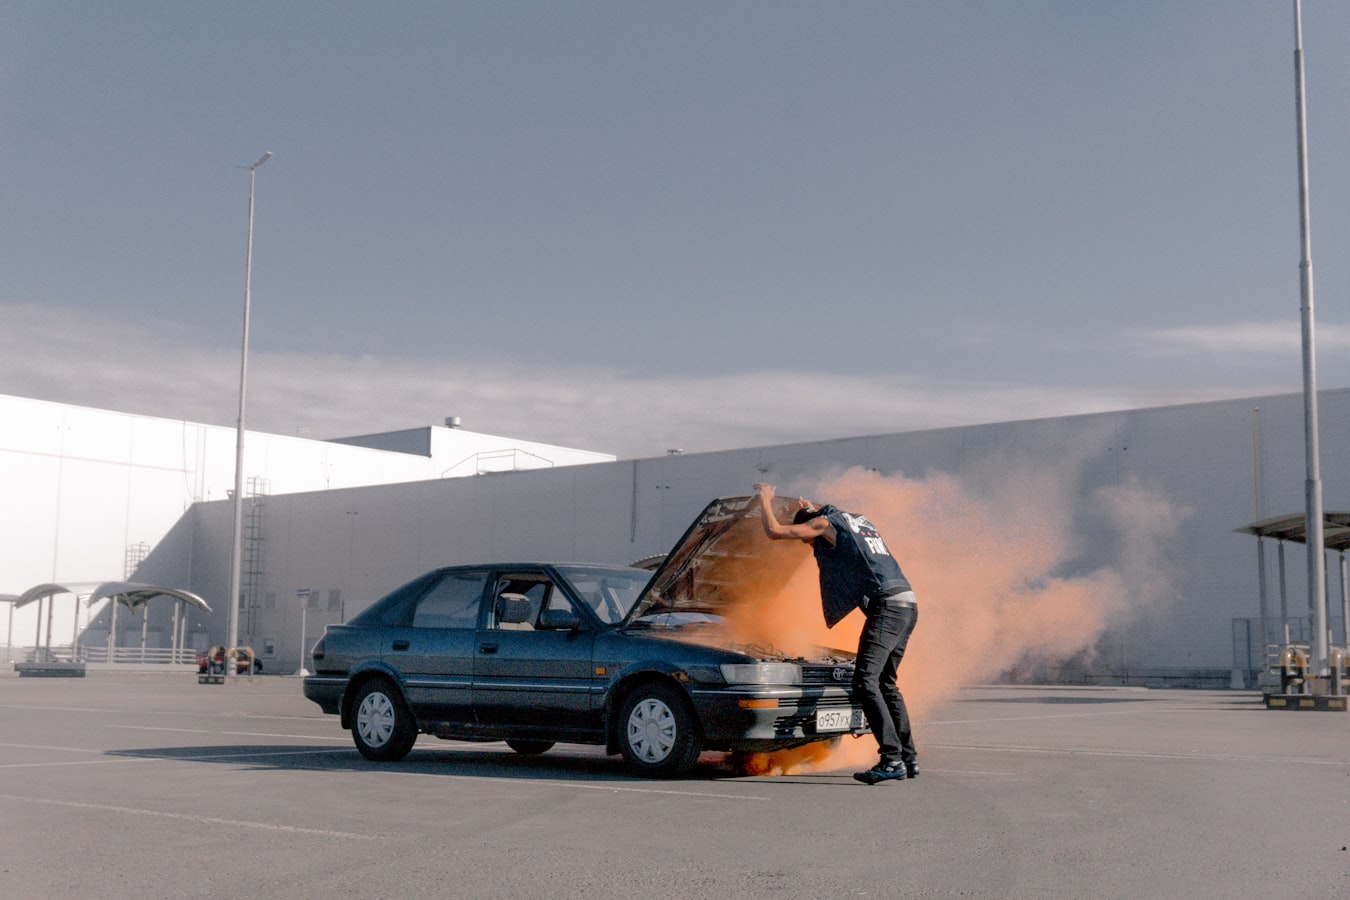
column 658, row 734
column 382, row 725
column 529, row 748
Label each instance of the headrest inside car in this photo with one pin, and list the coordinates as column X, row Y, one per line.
column 513, row 609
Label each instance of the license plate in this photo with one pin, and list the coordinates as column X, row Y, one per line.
column 839, row 719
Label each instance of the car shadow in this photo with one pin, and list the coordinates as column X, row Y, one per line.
column 563, row 763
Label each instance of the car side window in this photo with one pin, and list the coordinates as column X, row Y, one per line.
column 452, row 602
column 558, row 600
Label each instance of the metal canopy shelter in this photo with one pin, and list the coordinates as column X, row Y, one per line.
column 1335, row 529
column 1294, row 529
column 132, row 595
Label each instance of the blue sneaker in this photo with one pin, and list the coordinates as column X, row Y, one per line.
column 882, row 771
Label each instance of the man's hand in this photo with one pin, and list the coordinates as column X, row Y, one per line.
column 778, row 531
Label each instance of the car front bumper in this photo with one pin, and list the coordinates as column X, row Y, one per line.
column 759, row 719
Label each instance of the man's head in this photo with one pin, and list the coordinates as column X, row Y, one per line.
column 806, row 514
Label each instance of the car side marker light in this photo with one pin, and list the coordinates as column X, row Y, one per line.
column 600, row 670
column 769, row 703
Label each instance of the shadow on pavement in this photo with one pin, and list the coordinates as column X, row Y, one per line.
column 565, row 763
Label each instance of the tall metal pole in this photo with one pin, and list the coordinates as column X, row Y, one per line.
column 1345, row 605
column 1317, row 567
column 304, row 608
column 1284, row 597
column 232, row 637
column 1262, row 598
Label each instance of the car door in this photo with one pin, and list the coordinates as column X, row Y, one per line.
column 526, row 676
column 434, row 653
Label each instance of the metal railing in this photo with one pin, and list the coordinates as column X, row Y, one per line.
column 146, row 655
column 514, row 455
column 149, row 655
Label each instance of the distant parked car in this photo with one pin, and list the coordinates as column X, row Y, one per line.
column 537, row 653
column 213, row 661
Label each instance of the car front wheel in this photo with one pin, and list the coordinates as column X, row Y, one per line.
column 382, row 726
column 657, row 732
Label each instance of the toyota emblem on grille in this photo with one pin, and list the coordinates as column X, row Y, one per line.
column 840, row 674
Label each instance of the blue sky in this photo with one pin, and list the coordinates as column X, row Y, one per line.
column 636, row 226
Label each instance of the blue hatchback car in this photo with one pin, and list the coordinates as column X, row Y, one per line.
column 535, row 654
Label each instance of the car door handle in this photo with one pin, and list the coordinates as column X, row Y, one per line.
column 487, row 648
column 401, row 645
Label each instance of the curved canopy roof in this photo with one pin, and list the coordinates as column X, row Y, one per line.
column 1335, row 529
column 130, row 594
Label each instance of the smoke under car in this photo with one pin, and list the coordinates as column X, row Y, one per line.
column 651, row 665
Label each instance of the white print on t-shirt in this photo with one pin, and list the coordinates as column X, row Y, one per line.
column 868, row 532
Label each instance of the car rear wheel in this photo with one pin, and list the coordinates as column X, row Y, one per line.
column 530, row 748
column 657, row 732
column 382, row 726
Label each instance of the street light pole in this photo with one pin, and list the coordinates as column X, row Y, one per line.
column 1317, row 563
column 232, row 638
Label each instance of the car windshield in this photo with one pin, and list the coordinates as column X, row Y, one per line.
column 609, row 593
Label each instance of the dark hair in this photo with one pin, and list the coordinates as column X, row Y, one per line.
column 806, row 514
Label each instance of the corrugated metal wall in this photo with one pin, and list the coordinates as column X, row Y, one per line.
column 1192, row 465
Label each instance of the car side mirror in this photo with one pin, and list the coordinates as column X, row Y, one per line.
column 559, row 619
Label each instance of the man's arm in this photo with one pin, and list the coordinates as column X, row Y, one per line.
column 777, row 531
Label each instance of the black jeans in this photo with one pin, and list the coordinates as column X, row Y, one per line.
column 880, row 649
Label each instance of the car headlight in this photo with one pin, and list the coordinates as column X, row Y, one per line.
column 762, row 673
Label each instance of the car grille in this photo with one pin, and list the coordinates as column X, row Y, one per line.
column 841, row 675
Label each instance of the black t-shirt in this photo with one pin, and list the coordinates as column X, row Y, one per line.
column 858, row 565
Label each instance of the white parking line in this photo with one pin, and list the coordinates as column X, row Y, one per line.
column 1078, row 715
column 1142, row 754
column 55, row 749
column 181, row 713
column 266, row 734
column 202, row 820
column 612, row 787
column 83, row 762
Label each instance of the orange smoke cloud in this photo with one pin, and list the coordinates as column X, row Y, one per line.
column 984, row 569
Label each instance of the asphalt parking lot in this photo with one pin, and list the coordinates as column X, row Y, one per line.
column 123, row 785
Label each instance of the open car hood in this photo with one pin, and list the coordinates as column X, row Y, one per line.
column 723, row 558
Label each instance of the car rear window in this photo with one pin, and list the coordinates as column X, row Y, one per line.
column 452, row 602
column 395, row 607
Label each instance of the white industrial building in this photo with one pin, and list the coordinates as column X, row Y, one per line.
column 334, row 525
column 90, row 494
